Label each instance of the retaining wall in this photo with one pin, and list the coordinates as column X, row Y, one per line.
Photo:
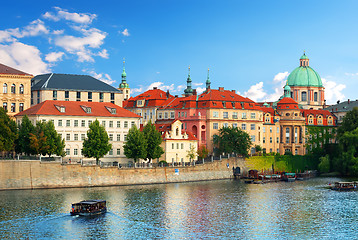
column 36, row 174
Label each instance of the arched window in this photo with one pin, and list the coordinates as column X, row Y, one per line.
column 177, row 132
column 4, row 106
column 304, row 96
column 315, row 95
column 4, row 88
column 21, row 89
column 13, row 88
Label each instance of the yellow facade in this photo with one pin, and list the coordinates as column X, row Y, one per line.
column 15, row 94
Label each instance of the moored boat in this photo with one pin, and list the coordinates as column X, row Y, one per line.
column 345, row 186
column 89, row 207
column 289, row 177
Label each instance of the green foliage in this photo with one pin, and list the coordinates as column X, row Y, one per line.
column 203, row 152
column 324, row 165
column 318, row 138
column 232, row 140
column 8, row 132
column 153, row 139
column 191, row 153
column 23, row 143
column 136, row 144
column 163, row 163
column 96, row 145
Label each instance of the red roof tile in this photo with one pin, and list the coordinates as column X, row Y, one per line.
column 98, row 109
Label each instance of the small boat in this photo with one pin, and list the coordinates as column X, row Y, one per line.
column 89, row 208
column 345, row 186
column 289, row 177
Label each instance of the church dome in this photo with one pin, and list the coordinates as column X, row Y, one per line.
column 304, row 75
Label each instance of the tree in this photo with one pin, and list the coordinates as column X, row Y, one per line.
column 232, row 140
column 191, row 153
column 96, row 145
column 8, row 132
column 258, row 149
column 203, row 152
column 324, row 165
column 23, row 143
column 153, row 139
column 136, row 145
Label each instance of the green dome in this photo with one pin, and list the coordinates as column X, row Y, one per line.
column 304, row 56
column 123, row 85
column 287, row 88
column 304, row 76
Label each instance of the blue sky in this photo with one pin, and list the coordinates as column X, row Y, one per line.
column 249, row 46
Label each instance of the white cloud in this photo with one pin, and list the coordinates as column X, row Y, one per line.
column 81, row 18
column 104, row 77
column 58, row 32
column 279, row 77
column 35, row 28
column 200, row 90
column 125, row 32
column 256, row 92
column 333, row 91
column 103, row 53
column 23, row 57
column 54, row 56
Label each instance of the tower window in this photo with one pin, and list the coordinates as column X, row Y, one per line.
column 304, row 96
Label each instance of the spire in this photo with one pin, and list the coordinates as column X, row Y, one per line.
column 188, row 91
column 208, row 82
column 124, row 83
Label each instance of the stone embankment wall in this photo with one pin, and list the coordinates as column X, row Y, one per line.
column 36, row 174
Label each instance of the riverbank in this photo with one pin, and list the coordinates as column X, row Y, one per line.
column 36, row 174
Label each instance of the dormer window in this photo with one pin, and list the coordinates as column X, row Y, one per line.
column 86, row 109
column 61, row 109
column 112, row 110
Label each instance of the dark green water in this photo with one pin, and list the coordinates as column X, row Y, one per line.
column 204, row 210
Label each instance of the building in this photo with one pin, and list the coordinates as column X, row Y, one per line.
column 306, row 86
column 124, row 87
column 72, row 120
column 16, row 90
column 341, row 108
column 147, row 103
column 70, row 87
column 176, row 143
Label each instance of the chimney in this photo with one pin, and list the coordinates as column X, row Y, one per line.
column 194, row 92
column 176, row 96
column 349, row 101
column 233, row 91
column 168, row 94
column 154, row 88
column 221, row 89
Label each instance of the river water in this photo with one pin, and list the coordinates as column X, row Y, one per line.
column 225, row 209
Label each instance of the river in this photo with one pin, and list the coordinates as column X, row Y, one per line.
column 224, row 209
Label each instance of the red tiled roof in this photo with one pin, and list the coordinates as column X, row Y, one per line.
column 287, row 103
column 324, row 113
column 98, row 109
column 9, row 70
column 155, row 97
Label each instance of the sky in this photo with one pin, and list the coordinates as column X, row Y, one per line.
column 249, row 46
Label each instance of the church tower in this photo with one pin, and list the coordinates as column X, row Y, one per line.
column 124, row 87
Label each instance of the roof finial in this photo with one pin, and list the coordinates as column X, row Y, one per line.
column 208, row 81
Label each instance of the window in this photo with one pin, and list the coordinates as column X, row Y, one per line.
column 172, row 115
column 172, row 145
column 225, row 115
column 319, row 121
column 244, row 115
column 21, row 89
column 264, row 140
column 270, row 129
column 125, row 137
column 104, row 123
column 4, row 88
column 78, row 96
column 253, row 115
column 118, row 151
column 4, row 106
column 110, row 152
column 177, row 145
column 68, row 151
column 68, row 137
column 234, row 125
column 59, row 123
column 132, row 123
column 118, row 137
column 54, row 95
column 304, row 96
column 118, row 124
column 234, row 115
column 160, row 115
column 315, row 97
column 89, row 122
column 182, row 146
column 277, row 139
column 243, row 126
column 112, row 96
column 21, row 107
column 13, row 107
column 110, row 124
column 310, row 120
column 125, row 124
column 13, row 88
column 75, row 123
column 226, row 125
column 110, row 137
column 90, row 96
column 215, row 114
column 83, row 136
column 252, row 127
column 165, row 115
column 287, row 135
column 75, row 151
column 75, row 137
column 278, row 130
column 83, row 123
column 270, row 139
column 68, row 123
column 101, row 97
column 67, row 95
column 215, row 126
column 252, row 138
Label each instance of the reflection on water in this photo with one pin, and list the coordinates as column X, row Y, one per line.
column 204, row 210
